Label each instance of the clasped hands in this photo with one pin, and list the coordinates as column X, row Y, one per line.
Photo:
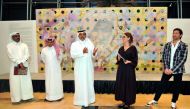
column 85, row 50
column 168, row 71
column 21, row 65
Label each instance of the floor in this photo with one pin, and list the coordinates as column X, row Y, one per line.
column 105, row 101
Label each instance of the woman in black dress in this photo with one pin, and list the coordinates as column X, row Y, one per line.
column 127, row 60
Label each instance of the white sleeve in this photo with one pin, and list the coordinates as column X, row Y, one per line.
column 92, row 46
column 75, row 51
column 26, row 54
column 11, row 55
column 42, row 56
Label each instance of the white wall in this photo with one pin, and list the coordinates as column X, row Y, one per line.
column 27, row 30
column 184, row 24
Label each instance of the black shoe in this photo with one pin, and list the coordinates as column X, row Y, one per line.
column 126, row 106
column 121, row 105
column 59, row 99
column 84, row 107
column 16, row 103
column 45, row 100
column 29, row 100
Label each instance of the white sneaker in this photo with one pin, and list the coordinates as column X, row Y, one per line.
column 152, row 102
column 173, row 105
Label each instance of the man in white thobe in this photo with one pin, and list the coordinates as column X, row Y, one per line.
column 82, row 51
column 20, row 85
column 53, row 76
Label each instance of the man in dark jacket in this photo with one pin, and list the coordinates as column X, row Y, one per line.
column 174, row 57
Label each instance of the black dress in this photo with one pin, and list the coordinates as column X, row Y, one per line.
column 125, row 87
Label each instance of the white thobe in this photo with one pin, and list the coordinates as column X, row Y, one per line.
column 53, row 75
column 83, row 72
column 20, row 85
